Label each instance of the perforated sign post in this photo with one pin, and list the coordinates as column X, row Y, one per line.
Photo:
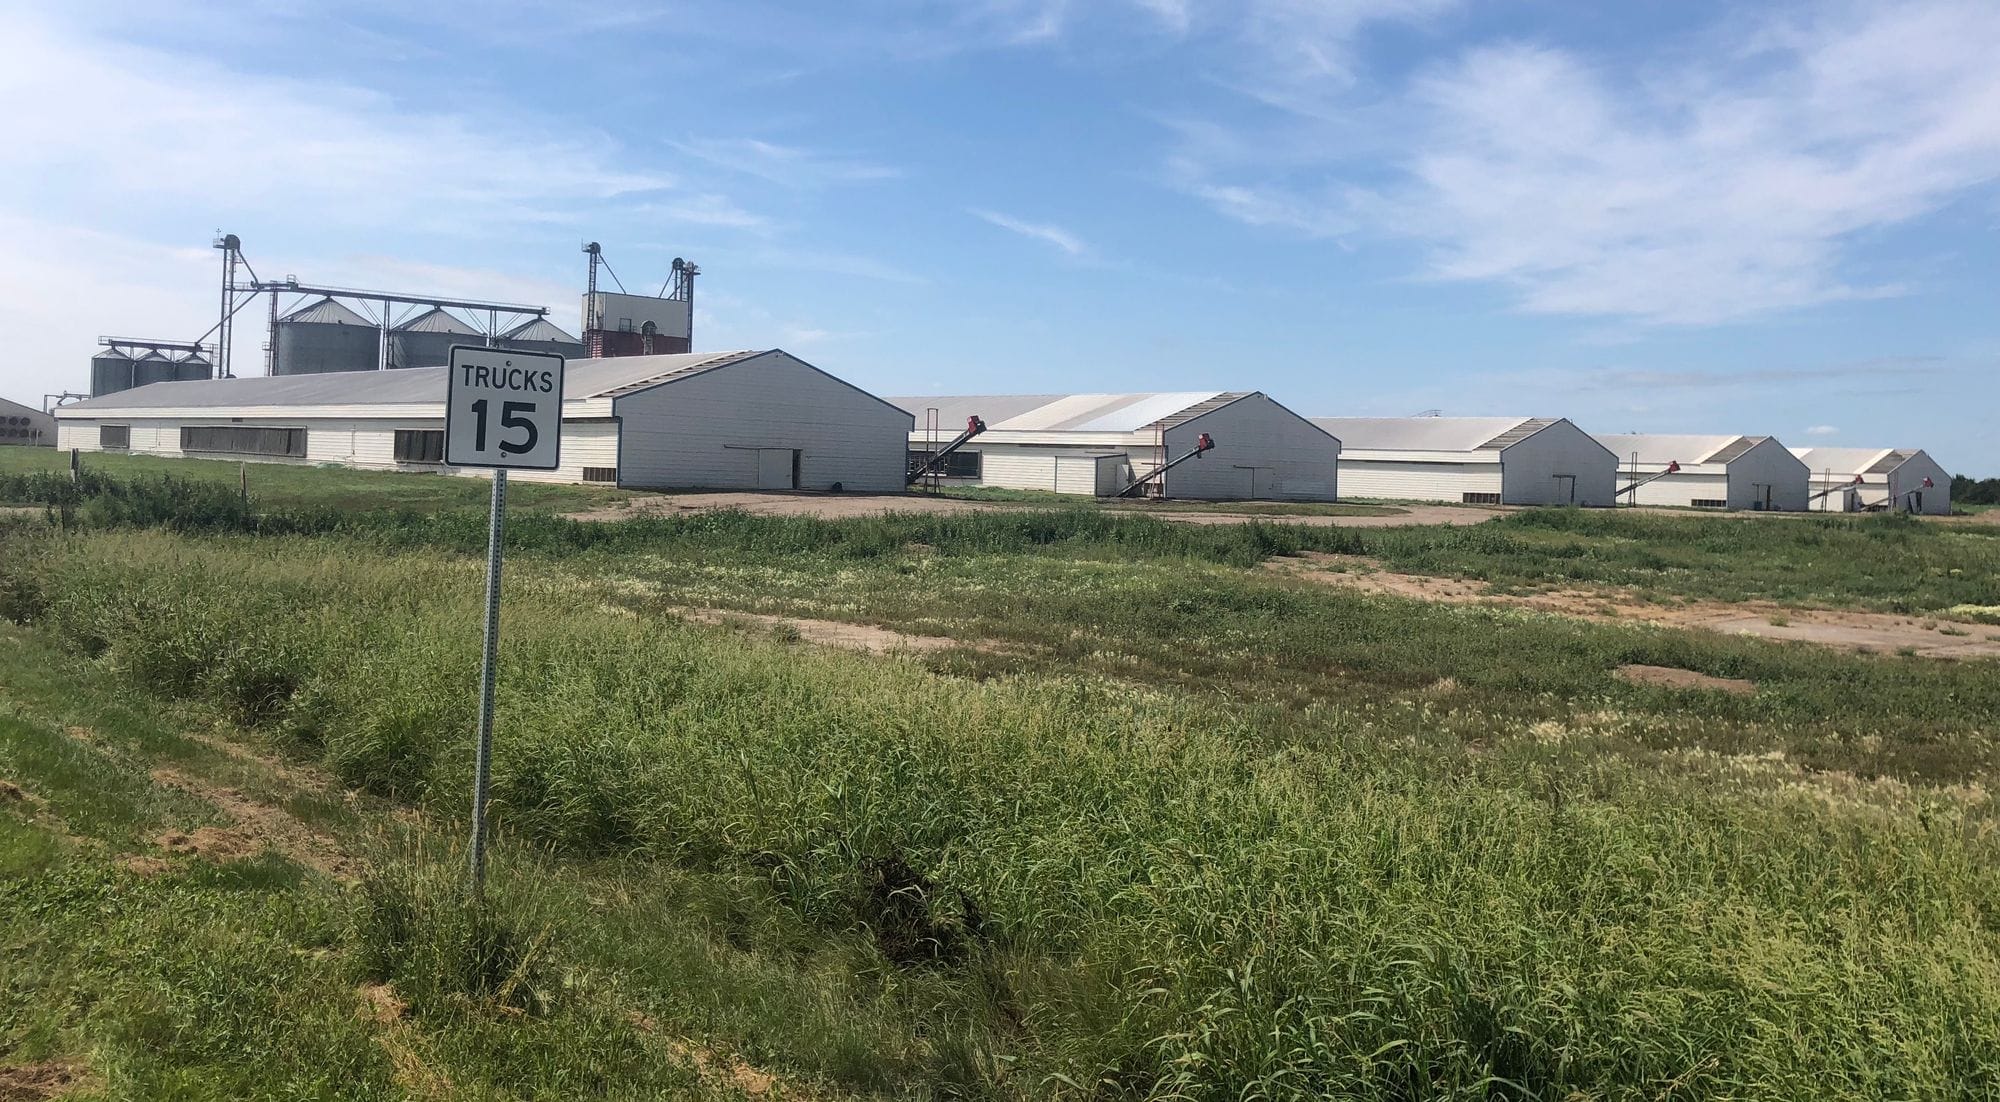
column 503, row 411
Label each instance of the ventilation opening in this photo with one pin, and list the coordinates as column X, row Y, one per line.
column 1710, row 503
column 600, row 474
column 1479, row 499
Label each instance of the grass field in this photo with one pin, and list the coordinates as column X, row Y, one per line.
column 284, row 486
column 1159, row 824
column 1055, row 500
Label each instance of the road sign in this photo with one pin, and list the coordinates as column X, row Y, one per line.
column 503, row 409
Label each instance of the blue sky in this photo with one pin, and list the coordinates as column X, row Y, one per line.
column 1663, row 215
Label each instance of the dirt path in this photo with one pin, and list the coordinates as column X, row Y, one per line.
column 837, row 506
column 1858, row 631
column 255, row 825
column 826, row 633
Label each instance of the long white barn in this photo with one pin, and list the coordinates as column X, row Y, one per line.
column 1096, row 444
column 1472, row 460
column 711, row 420
column 1715, row 472
column 1902, row 480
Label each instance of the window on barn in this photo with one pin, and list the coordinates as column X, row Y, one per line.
column 600, row 474
column 1479, row 499
column 1709, row 503
column 114, row 437
column 243, row 440
column 419, row 445
column 959, row 464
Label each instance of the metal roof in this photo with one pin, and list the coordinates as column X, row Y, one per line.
column 325, row 312
column 1110, row 413
column 435, row 320
column 540, row 329
column 1851, row 461
column 1428, row 434
column 410, row 386
column 1662, row 447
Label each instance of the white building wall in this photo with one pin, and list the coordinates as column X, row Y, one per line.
column 1530, row 469
column 1909, row 479
column 25, row 426
column 1768, row 464
column 706, row 430
column 1683, row 489
column 1405, row 480
column 1262, row 450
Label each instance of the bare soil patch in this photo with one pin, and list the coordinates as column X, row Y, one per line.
column 257, row 825
column 33, row 1082
column 1674, row 678
column 1857, row 631
column 380, row 1003
column 827, row 633
column 729, row 1071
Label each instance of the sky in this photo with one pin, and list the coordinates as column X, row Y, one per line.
column 1661, row 215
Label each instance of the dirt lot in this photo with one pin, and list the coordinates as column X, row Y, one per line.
column 1860, row 631
column 835, row 506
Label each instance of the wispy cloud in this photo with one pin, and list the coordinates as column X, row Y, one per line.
column 1065, row 241
column 791, row 166
column 1725, row 184
column 1822, row 430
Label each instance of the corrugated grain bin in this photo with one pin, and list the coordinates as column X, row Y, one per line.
column 110, row 372
column 325, row 336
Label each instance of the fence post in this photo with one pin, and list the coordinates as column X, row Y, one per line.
column 243, row 481
column 75, row 463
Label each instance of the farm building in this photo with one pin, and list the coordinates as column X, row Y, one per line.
column 1707, row 472
column 1472, row 460
column 1901, row 480
column 709, row 420
column 25, row 425
column 1098, row 444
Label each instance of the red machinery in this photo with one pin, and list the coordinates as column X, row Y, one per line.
column 1202, row 443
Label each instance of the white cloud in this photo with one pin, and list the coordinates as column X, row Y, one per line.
column 1822, row 430
column 784, row 164
column 1062, row 239
column 1693, row 191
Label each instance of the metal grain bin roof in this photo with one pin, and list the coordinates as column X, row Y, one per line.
column 539, row 329
column 436, row 320
column 324, row 312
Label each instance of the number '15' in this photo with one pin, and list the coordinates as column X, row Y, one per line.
column 508, row 420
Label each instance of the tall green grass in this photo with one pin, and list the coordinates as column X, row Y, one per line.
column 1154, row 895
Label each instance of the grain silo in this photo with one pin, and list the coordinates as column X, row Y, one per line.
column 110, row 372
column 153, row 367
column 325, row 336
column 194, row 365
column 426, row 340
column 543, row 335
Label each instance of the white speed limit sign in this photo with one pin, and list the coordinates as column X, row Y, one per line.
column 503, row 408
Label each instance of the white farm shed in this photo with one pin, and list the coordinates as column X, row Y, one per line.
column 25, row 425
column 1891, row 478
column 708, row 420
column 1096, row 444
column 1716, row 472
column 1472, row 460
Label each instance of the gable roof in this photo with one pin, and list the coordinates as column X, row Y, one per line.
column 1662, row 447
column 1057, row 413
column 1852, row 461
column 1431, row 434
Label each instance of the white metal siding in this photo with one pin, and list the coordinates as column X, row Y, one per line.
column 1531, row 469
column 1684, row 488
column 1909, row 478
column 1768, row 464
column 1408, row 481
column 1252, row 435
column 692, row 432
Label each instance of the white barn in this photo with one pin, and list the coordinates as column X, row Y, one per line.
column 709, row 420
column 1891, row 478
column 1716, row 472
column 1472, row 460
column 25, row 425
column 1096, row 444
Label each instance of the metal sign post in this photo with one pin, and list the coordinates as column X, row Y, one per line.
column 503, row 411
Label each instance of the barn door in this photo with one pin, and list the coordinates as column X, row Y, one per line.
column 777, row 469
column 1565, row 489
